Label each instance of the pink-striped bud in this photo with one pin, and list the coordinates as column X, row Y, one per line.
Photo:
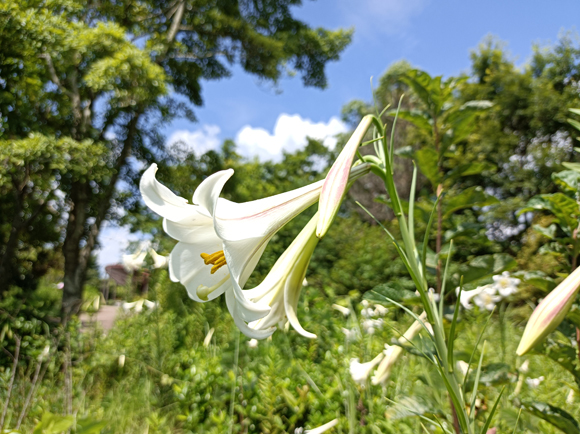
column 334, row 186
column 550, row 312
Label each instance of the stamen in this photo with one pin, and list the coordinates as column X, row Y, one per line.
column 216, row 259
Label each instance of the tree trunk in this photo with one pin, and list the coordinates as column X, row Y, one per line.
column 81, row 237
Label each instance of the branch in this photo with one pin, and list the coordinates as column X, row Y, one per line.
column 195, row 57
column 52, row 71
column 175, row 22
column 105, row 202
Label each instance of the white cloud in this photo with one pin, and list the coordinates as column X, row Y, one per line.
column 199, row 141
column 382, row 16
column 290, row 133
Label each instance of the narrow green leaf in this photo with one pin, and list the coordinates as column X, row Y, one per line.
column 477, row 375
column 442, row 295
column 492, row 412
column 476, row 345
column 412, row 204
column 392, row 143
column 451, row 339
column 426, row 238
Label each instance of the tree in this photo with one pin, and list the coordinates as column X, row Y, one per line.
column 111, row 73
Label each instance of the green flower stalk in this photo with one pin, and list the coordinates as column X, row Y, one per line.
column 550, row 313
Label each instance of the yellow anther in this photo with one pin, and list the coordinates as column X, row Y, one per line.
column 216, row 259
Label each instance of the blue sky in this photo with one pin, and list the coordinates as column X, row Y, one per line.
column 436, row 36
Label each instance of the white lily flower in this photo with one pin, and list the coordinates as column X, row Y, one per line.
column 466, row 296
column 322, row 428
column 135, row 261
column 487, row 298
column 136, row 306
column 282, row 286
column 159, row 261
column 393, row 352
column 361, row 371
column 343, row 310
column 505, row 284
column 151, row 305
column 229, row 237
column 252, row 343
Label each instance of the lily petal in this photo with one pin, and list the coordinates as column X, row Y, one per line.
column 282, row 286
column 162, row 200
column 233, row 307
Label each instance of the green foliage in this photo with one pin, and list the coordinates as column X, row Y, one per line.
column 553, row 415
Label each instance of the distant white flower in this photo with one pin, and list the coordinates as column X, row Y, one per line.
column 136, row 306
column 570, row 397
column 135, row 261
column 393, row 352
column 253, row 343
column 42, row 356
column 534, row 382
column 344, row 310
column 462, row 367
column 365, row 303
column 368, row 312
column 505, row 284
column 322, row 428
column 370, row 325
column 159, row 261
column 525, row 367
column 432, row 295
column 360, row 371
column 466, row 297
column 121, row 360
column 151, row 305
column 208, row 337
column 380, row 310
column 351, row 335
column 487, row 298
column 305, row 282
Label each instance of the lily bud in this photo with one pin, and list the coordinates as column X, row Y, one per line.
column 334, row 186
column 550, row 312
